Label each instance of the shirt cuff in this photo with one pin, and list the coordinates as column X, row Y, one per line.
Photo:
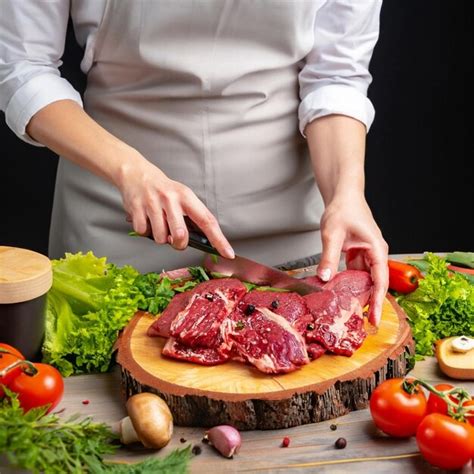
column 32, row 96
column 335, row 99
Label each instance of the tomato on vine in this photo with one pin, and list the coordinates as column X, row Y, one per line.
column 445, row 442
column 8, row 356
column 38, row 385
column 397, row 411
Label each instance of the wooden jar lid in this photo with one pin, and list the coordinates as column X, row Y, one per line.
column 24, row 275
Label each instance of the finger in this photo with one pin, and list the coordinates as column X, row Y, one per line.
column 176, row 225
column 379, row 272
column 158, row 223
column 140, row 223
column 355, row 259
column 332, row 246
column 201, row 216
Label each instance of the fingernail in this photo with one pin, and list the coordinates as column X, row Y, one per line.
column 230, row 252
column 179, row 233
column 170, row 239
column 324, row 274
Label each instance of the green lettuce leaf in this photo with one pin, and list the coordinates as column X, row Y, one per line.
column 89, row 303
column 441, row 306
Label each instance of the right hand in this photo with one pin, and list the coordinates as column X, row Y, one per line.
column 156, row 204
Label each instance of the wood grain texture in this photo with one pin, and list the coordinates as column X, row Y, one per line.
column 24, row 275
column 238, row 394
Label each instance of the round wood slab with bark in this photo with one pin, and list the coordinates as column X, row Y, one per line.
column 238, row 394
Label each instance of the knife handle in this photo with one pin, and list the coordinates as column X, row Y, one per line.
column 197, row 239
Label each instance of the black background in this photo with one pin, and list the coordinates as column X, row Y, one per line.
column 419, row 163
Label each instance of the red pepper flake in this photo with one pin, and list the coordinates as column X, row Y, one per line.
column 85, row 402
column 286, row 442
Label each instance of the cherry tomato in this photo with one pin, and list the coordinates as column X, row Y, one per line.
column 396, row 412
column 8, row 355
column 43, row 388
column 445, row 442
column 437, row 404
column 403, row 277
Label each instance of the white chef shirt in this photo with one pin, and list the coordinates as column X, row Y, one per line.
column 334, row 76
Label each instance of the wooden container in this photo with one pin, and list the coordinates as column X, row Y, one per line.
column 25, row 278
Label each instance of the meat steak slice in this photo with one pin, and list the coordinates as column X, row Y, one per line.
column 289, row 305
column 198, row 355
column 315, row 350
column 353, row 282
column 161, row 327
column 211, row 302
column 264, row 338
column 337, row 320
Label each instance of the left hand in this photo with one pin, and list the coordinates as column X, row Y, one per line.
column 347, row 225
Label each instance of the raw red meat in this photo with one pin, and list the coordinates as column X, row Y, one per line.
column 264, row 338
column 198, row 355
column 315, row 350
column 337, row 312
column 274, row 331
column 161, row 327
column 199, row 324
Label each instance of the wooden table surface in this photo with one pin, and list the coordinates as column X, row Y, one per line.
column 311, row 448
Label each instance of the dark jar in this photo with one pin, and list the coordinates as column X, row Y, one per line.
column 25, row 278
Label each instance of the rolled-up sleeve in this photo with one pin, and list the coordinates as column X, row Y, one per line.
column 335, row 76
column 32, row 38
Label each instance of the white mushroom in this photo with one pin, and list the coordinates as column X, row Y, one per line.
column 149, row 421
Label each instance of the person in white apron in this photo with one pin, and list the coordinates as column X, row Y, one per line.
column 201, row 108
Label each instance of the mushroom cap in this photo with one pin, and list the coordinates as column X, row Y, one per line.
column 151, row 418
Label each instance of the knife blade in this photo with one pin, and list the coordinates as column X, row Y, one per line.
column 243, row 268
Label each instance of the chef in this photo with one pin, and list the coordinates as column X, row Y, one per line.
column 247, row 116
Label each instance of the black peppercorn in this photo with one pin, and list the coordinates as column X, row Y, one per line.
column 310, row 327
column 196, row 450
column 340, row 443
column 205, row 440
column 182, row 440
column 249, row 309
column 333, row 427
column 209, row 297
column 275, row 304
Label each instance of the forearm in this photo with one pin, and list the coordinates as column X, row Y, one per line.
column 65, row 128
column 337, row 148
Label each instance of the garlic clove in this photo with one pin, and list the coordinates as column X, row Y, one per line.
column 462, row 344
column 226, row 439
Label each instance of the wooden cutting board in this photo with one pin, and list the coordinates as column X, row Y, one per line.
column 238, row 394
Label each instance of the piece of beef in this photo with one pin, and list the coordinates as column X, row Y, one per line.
column 289, row 305
column 161, row 327
column 265, row 339
column 354, row 282
column 211, row 302
column 315, row 350
column 337, row 320
column 198, row 355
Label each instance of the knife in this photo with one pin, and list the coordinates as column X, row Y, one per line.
column 243, row 268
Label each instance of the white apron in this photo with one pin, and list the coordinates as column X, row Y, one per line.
column 211, row 98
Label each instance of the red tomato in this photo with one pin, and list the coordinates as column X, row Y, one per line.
column 403, row 277
column 445, row 442
column 43, row 388
column 8, row 355
column 437, row 404
column 396, row 412
column 11, row 350
column 470, row 414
